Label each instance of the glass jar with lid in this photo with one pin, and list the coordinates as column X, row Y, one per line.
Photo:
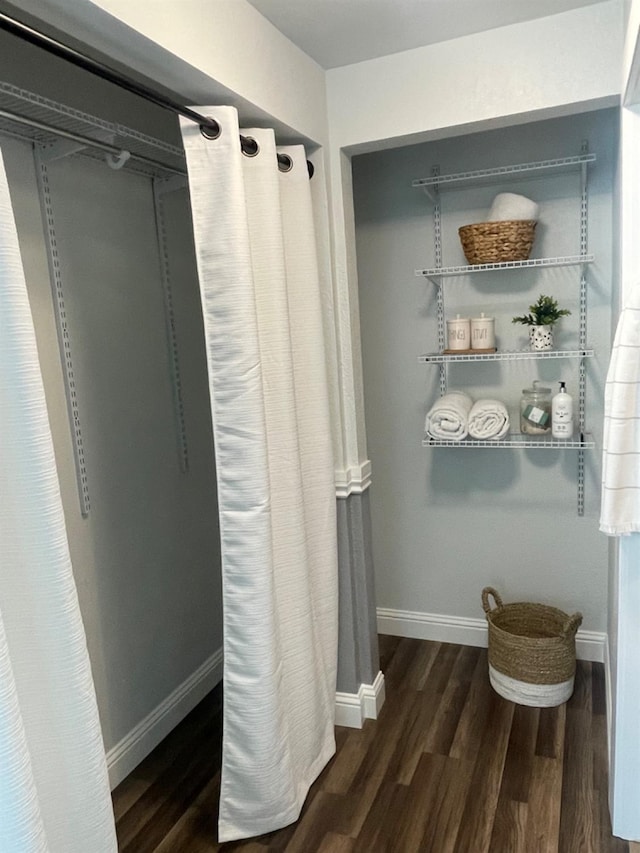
column 535, row 410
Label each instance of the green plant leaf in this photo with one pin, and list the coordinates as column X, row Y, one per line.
column 544, row 312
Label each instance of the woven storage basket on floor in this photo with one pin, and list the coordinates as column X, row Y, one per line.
column 497, row 242
column 532, row 651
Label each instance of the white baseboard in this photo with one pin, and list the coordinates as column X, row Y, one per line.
column 591, row 645
column 143, row 738
column 354, row 480
column 464, row 631
column 352, row 709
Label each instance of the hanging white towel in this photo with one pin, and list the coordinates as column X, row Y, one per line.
column 488, row 419
column 448, row 418
column 620, row 512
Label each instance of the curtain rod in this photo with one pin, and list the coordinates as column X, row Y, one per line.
column 208, row 126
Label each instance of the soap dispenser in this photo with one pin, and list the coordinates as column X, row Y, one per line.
column 562, row 414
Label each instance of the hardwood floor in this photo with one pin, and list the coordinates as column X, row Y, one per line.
column 448, row 766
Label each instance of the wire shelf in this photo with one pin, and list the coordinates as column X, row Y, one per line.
column 560, row 164
column 516, row 441
column 506, row 355
column 30, row 105
column 437, row 273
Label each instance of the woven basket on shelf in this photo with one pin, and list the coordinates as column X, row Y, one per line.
column 532, row 651
column 497, row 242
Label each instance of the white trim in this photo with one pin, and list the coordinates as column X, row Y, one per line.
column 354, row 480
column 631, row 60
column 143, row 738
column 608, row 683
column 352, row 709
column 465, row 631
column 590, row 645
column 373, row 696
column 432, row 626
column 349, row 710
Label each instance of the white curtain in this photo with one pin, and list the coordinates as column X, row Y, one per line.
column 620, row 508
column 261, row 304
column 54, row 791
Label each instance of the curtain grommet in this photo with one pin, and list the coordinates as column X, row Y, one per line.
column 249, row 146
column 211, row 131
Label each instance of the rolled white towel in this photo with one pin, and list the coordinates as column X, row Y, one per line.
column 488, row 419
column 448, row 418
column 507, row 206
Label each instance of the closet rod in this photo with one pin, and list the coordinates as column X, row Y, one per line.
column 86, row 140
column 208, row 126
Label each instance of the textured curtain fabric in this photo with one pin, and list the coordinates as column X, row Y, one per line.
column 54, row 791
column 257, row 265
column 620, row 509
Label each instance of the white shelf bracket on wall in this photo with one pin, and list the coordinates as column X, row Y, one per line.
column 161, row 187
column 432, row 187
column 582, row 334
column 57, row 131
column 58, row 150
column 43, row 154
column 434, row 195
column 61, row 148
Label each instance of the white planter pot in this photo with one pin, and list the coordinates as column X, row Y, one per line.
column 541, row 337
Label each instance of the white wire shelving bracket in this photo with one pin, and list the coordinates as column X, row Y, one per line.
column 444, row 182
column 436, row 273
column 149, row 155
column 161, row 187
column 432, row 187
column 64, row 339
column 506, row 355
column 56, row 131
column 516, row 441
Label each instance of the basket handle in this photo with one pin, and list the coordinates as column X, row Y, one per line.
column 486, row 592
column 572, row 624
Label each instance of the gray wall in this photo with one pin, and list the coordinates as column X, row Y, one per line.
column 358, row 657
column 146, row 560
column 446, row 522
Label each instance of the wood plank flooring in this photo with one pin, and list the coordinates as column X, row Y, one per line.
column 449, row 767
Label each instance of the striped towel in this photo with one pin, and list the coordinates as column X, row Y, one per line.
column 620, row 511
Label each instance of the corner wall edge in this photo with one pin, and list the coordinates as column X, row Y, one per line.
column 352, row 709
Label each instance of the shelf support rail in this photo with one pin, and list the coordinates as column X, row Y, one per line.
column 437, row 243
column 42, row 157
column 582, row 378
column 160, row 188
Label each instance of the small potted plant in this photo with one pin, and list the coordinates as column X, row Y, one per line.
column 544, row 315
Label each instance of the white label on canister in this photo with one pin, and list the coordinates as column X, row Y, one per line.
column 458, row 333
column 483, row 333
column 536, row 415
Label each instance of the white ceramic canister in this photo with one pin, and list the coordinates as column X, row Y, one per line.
column 483, row 335
column 459, row 333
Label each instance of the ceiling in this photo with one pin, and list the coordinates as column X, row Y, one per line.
column 341, row 32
